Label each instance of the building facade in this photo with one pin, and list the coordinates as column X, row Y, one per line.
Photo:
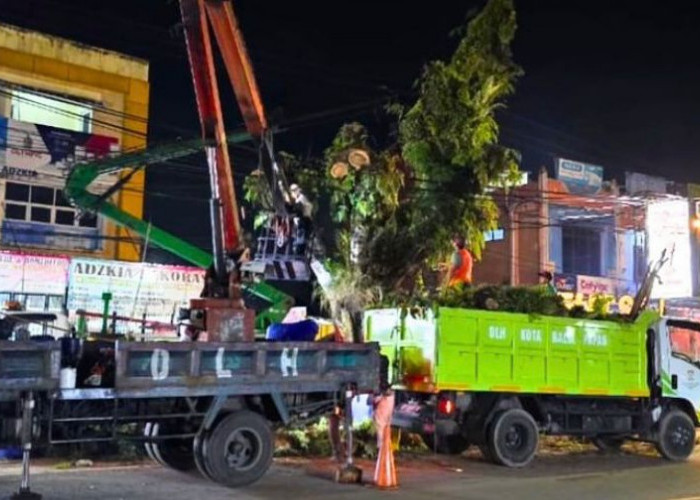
column 62, row 102
column 595, row 237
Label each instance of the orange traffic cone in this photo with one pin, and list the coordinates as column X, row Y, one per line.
column 385, row 472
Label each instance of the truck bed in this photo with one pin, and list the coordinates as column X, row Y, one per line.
column 166, row 369
column 478, row 350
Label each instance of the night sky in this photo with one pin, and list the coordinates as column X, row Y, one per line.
column 612, row 83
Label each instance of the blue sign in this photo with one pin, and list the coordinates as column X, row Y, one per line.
column 580, row 178
column 33, row 234
column 565, row 282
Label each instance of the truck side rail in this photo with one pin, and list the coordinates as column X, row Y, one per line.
column 155, row 369
column 28, row 366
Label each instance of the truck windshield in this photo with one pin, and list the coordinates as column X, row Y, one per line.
column 685, row 340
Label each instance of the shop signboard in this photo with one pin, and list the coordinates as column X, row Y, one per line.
column 137, row 289
column 565, row 282
column 579, row 178
column 594, row 285
column 33, row 274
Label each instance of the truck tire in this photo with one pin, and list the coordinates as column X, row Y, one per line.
column 198, row 454
column 513, row 438
column 239, row 449
column 676, row 435
column 453, row 444
column 148, row 431
column 608, row 444
column 176, row 454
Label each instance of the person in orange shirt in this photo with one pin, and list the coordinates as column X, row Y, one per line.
column 460, row 270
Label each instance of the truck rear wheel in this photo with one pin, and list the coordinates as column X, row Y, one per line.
column 513, row 438
column 676, row 436
column 239, row 449
column 148, row 445
column 176, row 454
column 452, row 444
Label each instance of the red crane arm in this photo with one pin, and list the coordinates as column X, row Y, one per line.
column 238, row 65
column 200, row 53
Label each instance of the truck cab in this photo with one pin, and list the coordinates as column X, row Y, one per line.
column 679, row 363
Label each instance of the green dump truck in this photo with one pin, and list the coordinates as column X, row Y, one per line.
column 498, row 380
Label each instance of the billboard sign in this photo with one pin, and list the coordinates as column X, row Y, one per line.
column 668, row 229
column 36, row 274
column 155, row 291
column 579, row 178
column 32, row 151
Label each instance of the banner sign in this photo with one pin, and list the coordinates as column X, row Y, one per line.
column 40, row 274
column 137, row 289
column 594, row 285
column 668, row 229
column 31, row 150
column 37, row 234
column 579, row 178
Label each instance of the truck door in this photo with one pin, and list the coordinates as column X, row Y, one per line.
column 680, row 374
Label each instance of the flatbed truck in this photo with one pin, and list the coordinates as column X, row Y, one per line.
column 211, row 406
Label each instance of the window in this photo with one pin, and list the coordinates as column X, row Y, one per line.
column 494, row 235
column 17, row 192
column 65, row 217
column 42, row 195
column 15, row 212
column 40, row 214
column 581, row 250
column 50, row 110
column 42, row 204
column 685, row 341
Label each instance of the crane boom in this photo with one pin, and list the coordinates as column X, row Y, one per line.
column 224, row 213
column 238, row 65
column 221, row 17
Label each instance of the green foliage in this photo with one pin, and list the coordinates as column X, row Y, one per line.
column 363, row 195
column 534, row 300
column 256, row 190
column 450, row 135
column 314, row 440
column 519, row 299
column 398, row 208
column 601, row 305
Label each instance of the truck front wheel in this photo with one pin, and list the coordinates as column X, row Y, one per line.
column 676, row 436
column 239, row 449
column 513, row 438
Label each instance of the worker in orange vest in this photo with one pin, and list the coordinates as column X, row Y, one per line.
column 460, row 270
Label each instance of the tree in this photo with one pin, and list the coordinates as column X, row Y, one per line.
column 401, row 205
column 449, row 137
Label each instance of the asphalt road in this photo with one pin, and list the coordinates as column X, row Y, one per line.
column 573, row 476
